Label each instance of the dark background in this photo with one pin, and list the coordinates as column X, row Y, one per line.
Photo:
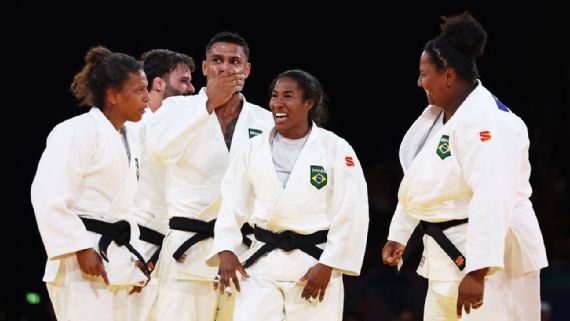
column 367, row 60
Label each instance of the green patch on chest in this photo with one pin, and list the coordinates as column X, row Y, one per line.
column 254, row 132
column 318, row 176
column 443, row 149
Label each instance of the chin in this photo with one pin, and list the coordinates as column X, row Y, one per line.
column 136, row 118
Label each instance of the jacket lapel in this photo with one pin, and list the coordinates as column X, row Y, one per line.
column 299, row 173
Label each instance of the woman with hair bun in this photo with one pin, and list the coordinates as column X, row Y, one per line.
column 83, row 190
column 465, row 193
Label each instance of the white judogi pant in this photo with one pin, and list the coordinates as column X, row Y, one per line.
column 187, row 300
column 141, row 304
column 263, row 299
column 190, row 300
column 506, row 299
column 510, row 295
column 80, row 298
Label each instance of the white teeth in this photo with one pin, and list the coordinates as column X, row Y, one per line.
column 280, row 115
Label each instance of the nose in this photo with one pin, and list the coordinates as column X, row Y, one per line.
column 146, row 96
column 225, row 65
column 190, row 90
column 275, row 102
column 419, row 81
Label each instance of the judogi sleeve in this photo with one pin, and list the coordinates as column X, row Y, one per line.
column 56, row 185
column 490, row 159
column 346, row 240
column 402, row 226
column 236, row 192
column 173, row 127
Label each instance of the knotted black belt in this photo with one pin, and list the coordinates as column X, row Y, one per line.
column 153, row 237
column 435, row 230
column 118, row 232
column 203, row 231
column 287, row 241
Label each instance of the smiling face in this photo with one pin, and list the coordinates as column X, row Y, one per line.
column 133, row 97
column 290, row 108
column 433, row 81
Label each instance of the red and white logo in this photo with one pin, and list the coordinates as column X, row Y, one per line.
column 485, row 135
column 349, row 161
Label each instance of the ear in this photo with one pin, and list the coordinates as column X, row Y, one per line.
column 309, row 104
column 450, row 76
column 204, row 68
column 111, row 96
column 158, row 84
column 247, row 69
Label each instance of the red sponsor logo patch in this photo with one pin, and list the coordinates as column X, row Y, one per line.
column 349, row 161
column 485, row 135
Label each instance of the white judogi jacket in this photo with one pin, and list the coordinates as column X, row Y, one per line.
column 183, row 136
column 150, row 198
column 475, row 166
column 85, row 171
column 336, row 201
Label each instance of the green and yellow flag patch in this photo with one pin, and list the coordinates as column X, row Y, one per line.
column 318, row 176
column 443, row 149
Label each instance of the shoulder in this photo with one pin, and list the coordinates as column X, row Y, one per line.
column 176, row 101
column 82, row 123
column 259, row 112
column 258, row 118
column 334, row 142
column 482, row 108
column 486, row 118
column 77, row 134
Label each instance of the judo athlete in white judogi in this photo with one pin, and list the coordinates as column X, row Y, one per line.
column 83, row 192
column 466, row 182
column 169, row 74
column 195, row 137
column 303, row 190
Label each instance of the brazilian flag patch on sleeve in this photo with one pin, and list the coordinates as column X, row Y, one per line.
column 318, row 176
column 254, row 132
column 443, row 149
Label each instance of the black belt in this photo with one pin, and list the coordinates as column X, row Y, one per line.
column 246, row 230
column 118, row 232
column 203, row 231
column 435, row 230
column 153, row 237
column 287, row 241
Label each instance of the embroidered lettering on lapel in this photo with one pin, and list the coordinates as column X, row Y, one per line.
column 443, row 149
column 254, row 132
column 318, row 176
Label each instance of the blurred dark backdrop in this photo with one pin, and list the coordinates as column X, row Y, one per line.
column 367, row 60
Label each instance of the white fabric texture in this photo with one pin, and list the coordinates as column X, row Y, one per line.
column 483, row 180
column 187, row 140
